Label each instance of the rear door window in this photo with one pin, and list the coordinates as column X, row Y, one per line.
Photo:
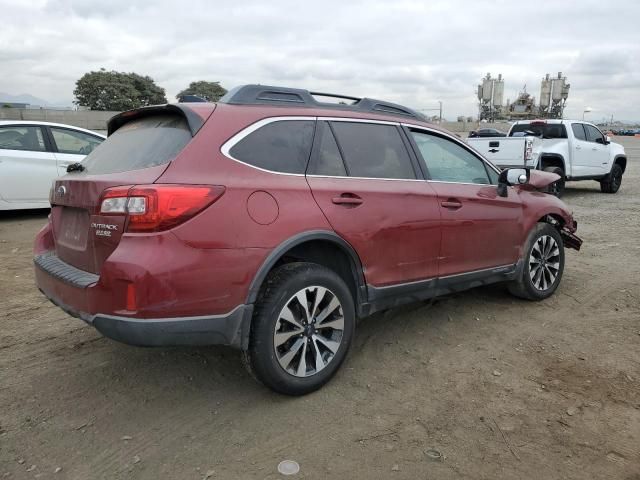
column 373, row 150
column 74, row 142
column 22, row 137
column 141, row 143
column 578, row 131
column 280, row 146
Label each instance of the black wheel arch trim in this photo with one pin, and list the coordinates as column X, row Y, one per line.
column 620, row 157
column 298, row 239
column 553, row 156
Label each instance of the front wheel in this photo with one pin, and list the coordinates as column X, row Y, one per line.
column 543, row 264
column 302, row 328
column 613, row 181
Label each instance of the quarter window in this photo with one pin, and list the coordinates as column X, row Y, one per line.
column 281, row 146
column 373, row 150
column 447, row 161
column 578, row 131
column 71, row 141
column 22, row 138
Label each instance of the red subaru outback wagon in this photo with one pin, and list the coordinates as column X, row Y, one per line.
column 271, row 221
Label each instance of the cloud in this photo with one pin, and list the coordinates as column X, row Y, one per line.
column 413, row 52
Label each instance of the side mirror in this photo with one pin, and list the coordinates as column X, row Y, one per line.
column 512, row 176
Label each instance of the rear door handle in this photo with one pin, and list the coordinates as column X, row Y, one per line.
column 347, row 199
column 578, row 147
column 494, row 150
column 451, row 204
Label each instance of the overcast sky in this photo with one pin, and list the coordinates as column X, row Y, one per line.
column 414, row 53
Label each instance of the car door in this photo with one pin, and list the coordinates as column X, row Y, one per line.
column 599, row 151
column 367, row 184
column 582, row 158
column 71, row 146
column 27, row 167
column 480, row 230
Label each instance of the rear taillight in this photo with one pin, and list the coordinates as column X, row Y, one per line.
column 528, row 149
column 153, row 208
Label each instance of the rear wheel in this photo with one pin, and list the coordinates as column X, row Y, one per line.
column 543, row 264
column 613, row 181
column 302, row 328
column 557, row 187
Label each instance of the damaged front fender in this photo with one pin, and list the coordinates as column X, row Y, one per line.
column 570, row 240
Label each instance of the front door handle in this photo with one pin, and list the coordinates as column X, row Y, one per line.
column 494, row 150
column 578, row 147
column 451, row 204
column 347, row 199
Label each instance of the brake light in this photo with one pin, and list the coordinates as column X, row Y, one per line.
column 538, row 122
column 153, row 208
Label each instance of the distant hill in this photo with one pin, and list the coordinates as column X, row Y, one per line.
column 22, row 98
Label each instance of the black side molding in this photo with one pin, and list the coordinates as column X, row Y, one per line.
column 382, row 298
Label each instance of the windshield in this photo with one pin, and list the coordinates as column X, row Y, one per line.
column 544, row 130
column 141, row 143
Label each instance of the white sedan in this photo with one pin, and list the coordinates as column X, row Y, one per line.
column 32, row 154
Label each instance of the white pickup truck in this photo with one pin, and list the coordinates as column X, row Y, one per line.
column 573, row 149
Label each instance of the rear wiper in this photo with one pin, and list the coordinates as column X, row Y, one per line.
column 75, row 167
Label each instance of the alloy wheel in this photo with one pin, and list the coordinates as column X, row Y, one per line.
column 544, row 262
column 308, row 331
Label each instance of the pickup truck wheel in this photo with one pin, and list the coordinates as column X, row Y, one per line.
column 556, row 188
column 543, row 264
column 611, row 184
column 302, row 328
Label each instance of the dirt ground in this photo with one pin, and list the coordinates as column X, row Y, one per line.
column 499, row 388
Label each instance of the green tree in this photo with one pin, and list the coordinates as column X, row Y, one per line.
column 117, row 91
column 211, row 91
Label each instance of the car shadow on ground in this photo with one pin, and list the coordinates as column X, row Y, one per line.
column 217, row 373
column 575, row 191
column 24, row 214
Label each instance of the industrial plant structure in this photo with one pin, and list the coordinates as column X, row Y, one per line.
column 553, row 97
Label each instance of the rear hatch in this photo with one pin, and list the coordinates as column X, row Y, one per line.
column 140, row 146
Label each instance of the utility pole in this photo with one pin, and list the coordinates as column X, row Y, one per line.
column 439, row 109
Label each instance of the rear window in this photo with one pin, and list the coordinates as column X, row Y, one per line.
column 544, row 130
column 142, row 143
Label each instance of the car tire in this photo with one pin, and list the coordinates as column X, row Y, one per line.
column 543, row 264
column 557, row 187
column 613, row 181
column 284, row 331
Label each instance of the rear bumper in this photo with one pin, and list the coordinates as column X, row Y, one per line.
column 230, row 329
column 81, row 295
column 209, row 330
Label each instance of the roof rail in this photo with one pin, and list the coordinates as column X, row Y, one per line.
column 270, row 95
